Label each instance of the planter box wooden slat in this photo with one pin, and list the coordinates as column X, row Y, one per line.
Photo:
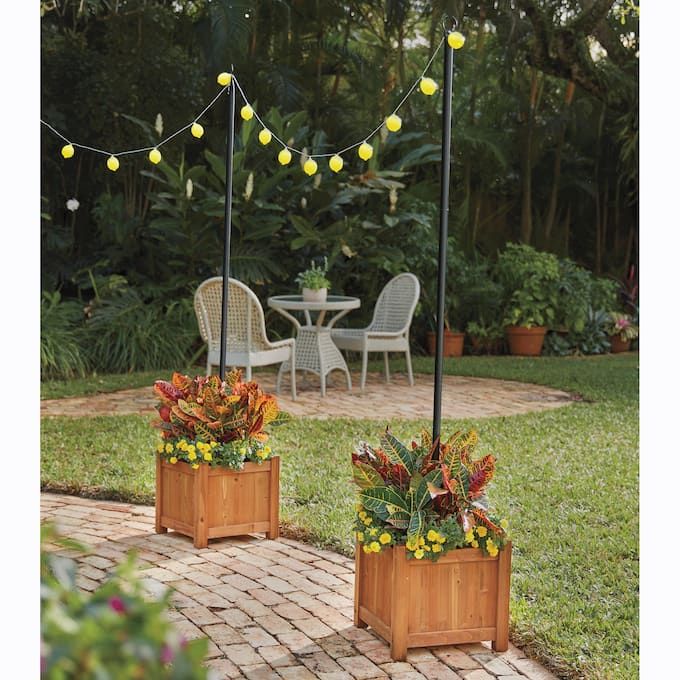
column 214, row 502
column 463, row 597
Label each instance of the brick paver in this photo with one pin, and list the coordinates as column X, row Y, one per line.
column 462, row 397
column 256, row 631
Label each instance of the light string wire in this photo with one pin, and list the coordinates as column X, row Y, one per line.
column 235, row 82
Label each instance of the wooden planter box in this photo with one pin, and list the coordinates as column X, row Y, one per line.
column 463, row 597
column 213, row 502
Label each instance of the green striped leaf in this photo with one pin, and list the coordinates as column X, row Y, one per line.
column 378, row 498
column 397, row 452
column 399, row 520
column 416, row 525
column 365, row 477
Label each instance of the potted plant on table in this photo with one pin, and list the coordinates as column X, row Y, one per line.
column 216, row 474
column 314, row 283
column 621, row 330
column 425, row 534
column 530, row 281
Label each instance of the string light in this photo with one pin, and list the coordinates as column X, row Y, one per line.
column 393, row 123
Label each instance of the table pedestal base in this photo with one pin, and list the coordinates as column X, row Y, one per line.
column 315, row 351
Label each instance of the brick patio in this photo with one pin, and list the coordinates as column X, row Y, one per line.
column 271, row 609
column 462, row 397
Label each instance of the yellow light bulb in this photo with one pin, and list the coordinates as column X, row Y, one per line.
column 456, row 40
column 112, row 163
column 310, row 166
column 224, row 79
column 67, row 151
column 365, row 151
column 285, row 156
column 197, row 130
column 393, row 123
column 428, row 86
column 265, row 136
column 247, row 112
column 155, row 156
column 335, row 163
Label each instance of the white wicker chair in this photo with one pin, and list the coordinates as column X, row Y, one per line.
column 388, row 332
column 247, row 342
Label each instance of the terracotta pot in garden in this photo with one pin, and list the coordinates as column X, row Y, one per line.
column 453, row 343
column 619, row 345
column 526, row 342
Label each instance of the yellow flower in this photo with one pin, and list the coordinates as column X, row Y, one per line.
column 261, row 453
column 191, row 455
column 474, row 544
column 432, row 535
column 195, row 466
column 362, row 515
column 490, row 544
column 469, row 536
column 191, row 449
column 436, row 548
column 481, row 531
column 169, row 448
column 427, row 548
column 373, row 531
column 360, row 536
column 366, row 548
column 505, row 524
column 181, row 445
column 385, row 538
column 441, row 539
column 213, row 444
column 368, row 521
column 419, row 554
column 267, row 450
column 160, row 448
column 358, row 507
column 207, row 456
column 493, row 552
column 421, row 540
column 375, row 546
column 411, row 544
column 243, row 450
column 173, row 460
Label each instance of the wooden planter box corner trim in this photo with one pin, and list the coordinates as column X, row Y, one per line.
column 215, row 502
column 464, row 597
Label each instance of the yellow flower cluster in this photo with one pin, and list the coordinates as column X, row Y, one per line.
column 365, row 518
column 418, row 545
column 374, row 546
column 204, row 448
column 264, row 452
column 471, row 536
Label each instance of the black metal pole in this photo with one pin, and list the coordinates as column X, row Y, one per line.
column 229, row 165
column 443, row 239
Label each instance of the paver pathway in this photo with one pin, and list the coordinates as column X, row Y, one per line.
column 271, row 609
column 462, row 397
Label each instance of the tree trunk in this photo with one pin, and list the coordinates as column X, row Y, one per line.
column 526, row 223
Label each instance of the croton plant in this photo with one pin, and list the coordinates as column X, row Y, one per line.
column 427, row 497
column 207, row 420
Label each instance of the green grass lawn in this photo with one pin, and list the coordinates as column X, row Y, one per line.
column 567, row 479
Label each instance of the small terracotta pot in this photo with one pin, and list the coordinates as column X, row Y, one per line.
column 453, row 343
column 619, row 345
column 309, row 295
column 525, row 342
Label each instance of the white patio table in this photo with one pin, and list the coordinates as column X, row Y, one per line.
column 314, row 349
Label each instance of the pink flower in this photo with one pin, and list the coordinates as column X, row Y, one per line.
column 117, row 604
column 622, row 323
column 167, row 654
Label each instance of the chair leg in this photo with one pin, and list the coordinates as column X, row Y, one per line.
column 364, row 366
column 208, row 370
column 279, row 375
column 387, row 366
column 293, row 389
column 409, row 368
column 249, row 373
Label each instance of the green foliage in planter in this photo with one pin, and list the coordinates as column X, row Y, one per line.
column 116, row 632
column 314, row 278
column 622, row 325
column 61, row 338
column 530, row 281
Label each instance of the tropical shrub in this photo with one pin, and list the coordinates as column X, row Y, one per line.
column 593, row 339
column 530, row 281
column 115, row 632
column 61, row 338
column 430, row 498
column 221, row 423
column 622, row 325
